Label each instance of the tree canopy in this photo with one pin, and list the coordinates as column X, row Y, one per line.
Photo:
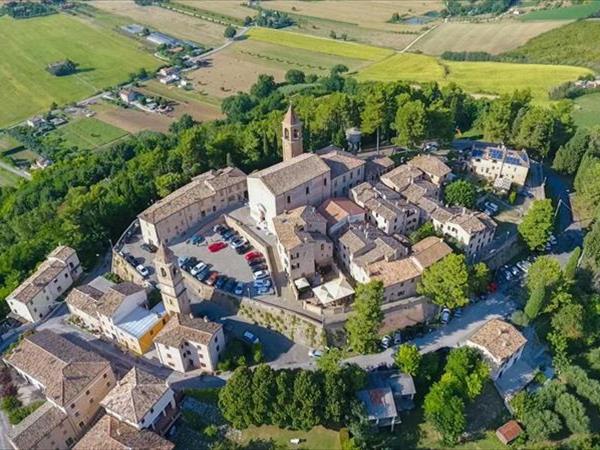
column 447, row 282
column 364, row 322
column 536, row 227
column 460, row 193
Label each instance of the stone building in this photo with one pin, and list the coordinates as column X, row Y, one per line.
column 493, row 163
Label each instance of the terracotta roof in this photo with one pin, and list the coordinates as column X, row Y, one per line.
column 377, row 166
column 429, row 251
column 287, row 175
column 42, row 277
column 341, row 162
column 114, row 297
column 335, row 210
column 63, row 368
column 293, row 227
column 27, row 434
column 414, row 192
column 401, row 177
column 110, row 434
column 62, row 253
column 383, row 247
column 135, row 394
column 393, row 272
column 509, row 431
column 354, row 240
column 84, row 298
column 470, row 221
column 431, row 165
column 182, row 328
column 499, row 338
column 200, row 188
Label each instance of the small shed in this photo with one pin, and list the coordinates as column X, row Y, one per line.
column 509, row 432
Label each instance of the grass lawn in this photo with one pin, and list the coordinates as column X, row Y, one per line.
column 320, row 45
column 87, row 133
column 8, row 178
column 317, row 438
column 475, row 77
column 104, row 59
column 574, row 12
column 8, row 143
column 586, row 111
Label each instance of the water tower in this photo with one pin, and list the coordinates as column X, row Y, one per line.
column 353, row 137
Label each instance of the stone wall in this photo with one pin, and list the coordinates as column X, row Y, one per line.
column 125, row 270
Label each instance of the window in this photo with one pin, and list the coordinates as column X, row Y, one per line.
column 76, row 413
column 289, row 199
column 87, row 392
column 108, row 384
column 151, row 410
column 66, row 275
column 72, row 405
column 307, row 190
column 105, row 375
column 324, row 181
column 91, row 400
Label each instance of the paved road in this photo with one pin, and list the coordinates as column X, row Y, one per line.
column 4, row 427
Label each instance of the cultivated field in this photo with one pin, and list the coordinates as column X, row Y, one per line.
column 170, row 22
column 194, row 102
column 131, row 120
column 231, row 8
column 366, row 13
column 237, row 67
column 489, row 78
column 104, row 59
column 493, row 37
column 586, row 111
column 87, row 133
column 315, row 44
column 574, row 12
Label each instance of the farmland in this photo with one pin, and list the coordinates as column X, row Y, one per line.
column 574, row 12
column 104, row 59
column 586, row 111
column 131, row 120
column 86, row 133
column 328, row 46
column 170, row 22
column 493, row 37
column 231, row 8
column 475, row 77
column 195, row 103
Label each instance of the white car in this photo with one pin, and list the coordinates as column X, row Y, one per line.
column 386, row 341
column 142, row 270
column 198, row 268
column 445, row 316
column 314, row 353
column 260, row 274
column 249, row 337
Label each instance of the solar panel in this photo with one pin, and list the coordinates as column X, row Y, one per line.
column 477, row 153
column 496, row 154
column 513, row 161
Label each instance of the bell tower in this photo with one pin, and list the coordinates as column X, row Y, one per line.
column 292, row 135
column 172, row 287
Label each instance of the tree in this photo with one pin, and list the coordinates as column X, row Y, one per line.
column 535, row 131
column 461, row 193
column 408, row 359
column 167, row 183
column 236, row 399
column 283, row 407
column 479, row 278
column 536, row 227
column 329, row 362
column 307, row 400
column 364, row 322
column 294, row 76
column 546, row 272
column 230, row 32
column 183, row 123
column 410, row 124
column 571, row 267
column 264, row 86
column 372, row 115
column 498, row 120
column 573, row 412
column 569, row 156
column 263, row 395
column 424, row 231
column 446, row 412
column 446, row 282
column 542, row 424
column 535, row 303
column 569, row 321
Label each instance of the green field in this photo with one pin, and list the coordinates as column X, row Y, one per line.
column 317, row 438
column 8, row 143
column 87, row 133
column 586, row 112
column 320, row 45
column 488, row 78
column 104, row 59
column 8, row 178
column 574, row 12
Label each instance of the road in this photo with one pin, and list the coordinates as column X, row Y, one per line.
column 16, row 171
column 203, row 56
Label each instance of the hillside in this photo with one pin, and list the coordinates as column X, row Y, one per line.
column 575, row 44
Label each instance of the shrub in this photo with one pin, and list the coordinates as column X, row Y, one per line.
column 211, row 431
column 593, row 358
column 10, row 403
column 573, row 412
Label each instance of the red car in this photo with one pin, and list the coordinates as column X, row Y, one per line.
column 252, row 255
column 213, row 248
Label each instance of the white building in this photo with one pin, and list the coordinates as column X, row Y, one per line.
column 188, row 343
column 492, row 163
column 36, row 296
column 141, row 400
column 471, row 230
column 501, row 344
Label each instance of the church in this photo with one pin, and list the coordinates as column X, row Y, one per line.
column 301, row 179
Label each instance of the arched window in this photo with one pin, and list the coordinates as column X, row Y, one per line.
column 295, row 133
column 163, row 272
column 286, row 133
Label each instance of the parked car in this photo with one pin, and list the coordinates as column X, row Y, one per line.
column 264, row 282
column 491, row 206
column 203, row 275
column 149, row 247
column 315, row 353
column 212, row 278
column 445, row 316
column 197, row 239
column 198, row 268
column 458, row 312
column 249, row 337
column 182, row 261
column 386, row 341
column 263, row 290
column 260, row 274
column 218, row 228
column 221, row 280
column 256, row 262
column 142, row 270
column 252, row 255
column 224, row 229
column 397, row 338
column 131, row 260
column 227, row 235
column 515, row 271
column 239, row 289
column 237, row 243
column 243, row 249
column 216, row 246
column 230, row 285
